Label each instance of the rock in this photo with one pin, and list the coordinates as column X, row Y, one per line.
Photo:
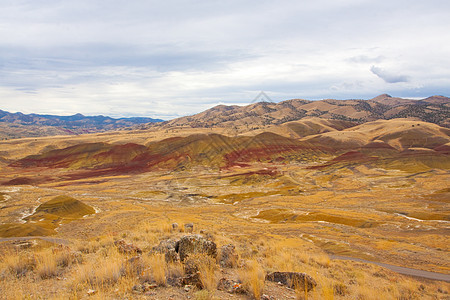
column 174, row 281
column 230, row 286
column 195, row 244
column 91, row 292
column 189, row 228
column 187, row 288
column 293, row 280
column 164, row 245
column 145, row 287
column 192, row 279
column 171, row 255
column 135, row 265
column 174, row 226
column 168, row 248
column 228, row 256
column 125, row 248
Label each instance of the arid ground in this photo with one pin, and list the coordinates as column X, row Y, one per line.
column 378, row 192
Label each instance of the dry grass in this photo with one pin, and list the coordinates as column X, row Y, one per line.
column 47, row 264
column 105, row 270
column 17, row 264
column 204, row 295
column 207, row 267
column 253, row 277
column 156, row 268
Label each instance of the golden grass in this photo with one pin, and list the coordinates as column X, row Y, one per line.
column 104, row 271
column 18, row 264
column 155, row 268
column 47, row 264
column 253, row 277
column 207, row 267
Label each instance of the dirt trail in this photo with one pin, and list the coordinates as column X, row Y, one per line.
column 400, row 270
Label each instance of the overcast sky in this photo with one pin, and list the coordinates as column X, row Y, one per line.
column 176, row 57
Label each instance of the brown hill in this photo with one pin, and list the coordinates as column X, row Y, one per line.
column 307, row 126
column 435, row 109
column 400, row 134
column 398, row 139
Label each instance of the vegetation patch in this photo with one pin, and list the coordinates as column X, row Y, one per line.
column 48, row 217
column 285, row 215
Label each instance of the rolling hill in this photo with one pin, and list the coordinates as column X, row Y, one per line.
column 375, row 142
column 435, row 109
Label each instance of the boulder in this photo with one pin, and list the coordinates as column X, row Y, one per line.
column 195, row 244
column 294, row 280
column 188, row 228
column 168, row 248
column 192, row 279
column 126, row 248
column 171, row 255
column 174, row 226
column 228, row 256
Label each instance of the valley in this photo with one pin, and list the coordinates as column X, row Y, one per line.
column 299, row 196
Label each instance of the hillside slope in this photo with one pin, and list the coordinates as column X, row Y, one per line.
column 386, row 143
column 435, row 109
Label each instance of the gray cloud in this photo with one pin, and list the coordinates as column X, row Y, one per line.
column 387, row 76
column 180, row 56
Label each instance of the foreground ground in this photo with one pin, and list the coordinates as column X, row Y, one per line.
column 289, row 219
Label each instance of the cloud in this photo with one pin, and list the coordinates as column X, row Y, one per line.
column 387, row 76
column 165, row 59
column 366, row 59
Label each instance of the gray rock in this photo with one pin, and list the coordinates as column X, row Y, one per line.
column 189, row 228
column 195, row 244
column 192, row 279
column 171, row 255
column 228, row 256
column 294, row 280
column 167, row 247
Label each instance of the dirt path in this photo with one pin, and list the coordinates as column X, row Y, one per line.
column 44, row 238
column 400, row 270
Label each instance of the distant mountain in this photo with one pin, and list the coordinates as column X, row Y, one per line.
column 435, row 109
column 17, row 125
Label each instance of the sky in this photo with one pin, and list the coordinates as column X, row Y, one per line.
column 165, row 59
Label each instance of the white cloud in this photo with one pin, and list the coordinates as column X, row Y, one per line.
column 388, row 76
column 165, row 59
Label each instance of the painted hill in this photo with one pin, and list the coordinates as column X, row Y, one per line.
column 400, row 139
column 209, row 150
column 18, row 125
column 435, row 109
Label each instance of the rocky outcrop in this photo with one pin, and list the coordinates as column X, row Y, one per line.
column 126, row 248
column 195, row 244
column 168, row 248
column 294, row 280
column 228, row 257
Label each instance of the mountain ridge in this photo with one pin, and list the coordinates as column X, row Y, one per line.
column 433, row 109
column 17, row 125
